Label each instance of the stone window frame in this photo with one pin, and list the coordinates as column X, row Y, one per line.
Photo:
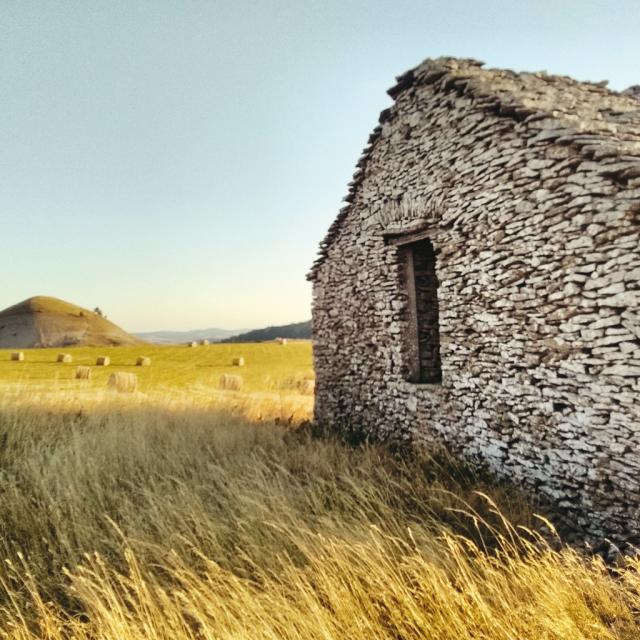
column 403, row 242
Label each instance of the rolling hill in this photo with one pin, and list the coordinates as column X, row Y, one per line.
column 49, row 322
column 178, row 337
column 294, row 331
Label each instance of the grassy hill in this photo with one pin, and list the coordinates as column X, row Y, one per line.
column 295, row 331
column 42, row 321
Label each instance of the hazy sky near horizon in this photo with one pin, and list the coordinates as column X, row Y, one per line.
column 178, row 162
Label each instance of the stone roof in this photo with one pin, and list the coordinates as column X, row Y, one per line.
column 602, row 124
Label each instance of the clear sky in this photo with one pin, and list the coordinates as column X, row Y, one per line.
column 177, row 162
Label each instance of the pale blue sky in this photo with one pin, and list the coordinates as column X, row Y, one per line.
column 177, row 162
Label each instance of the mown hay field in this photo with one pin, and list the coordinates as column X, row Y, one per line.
column 268, row 365
column 158, row 515
column 273, row 377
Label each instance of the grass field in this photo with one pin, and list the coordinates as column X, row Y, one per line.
column 178, row 376
column 161, row 515
column 268, row 366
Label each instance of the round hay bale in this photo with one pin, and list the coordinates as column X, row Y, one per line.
column 230, row 382
column 307, row 387
column 83, row 373
column 103, row 361
column 123, row 382
column 281, row 340
column 193, row 343
column 17, row 356
column 65, row 357
column 238, row 362
column 204, row 343
column 143, row 361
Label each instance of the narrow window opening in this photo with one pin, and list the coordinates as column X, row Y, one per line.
column 424, row 329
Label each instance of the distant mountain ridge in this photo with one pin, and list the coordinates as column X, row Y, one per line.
column 176, row 337
column 294, row 331
column 43, row 321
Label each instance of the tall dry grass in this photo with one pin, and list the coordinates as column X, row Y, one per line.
column 129, row 521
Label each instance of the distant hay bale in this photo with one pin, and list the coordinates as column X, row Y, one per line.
column 303, row 382
column 17, row 356
column 123, row 382
column 193, row 343
column 103, row 361
column 204, row 343
column 143, row 361
column 65, row 357
column 307, row 387
column 83, row 373
column 281, row 340
column 238, row 362
column 230, row 382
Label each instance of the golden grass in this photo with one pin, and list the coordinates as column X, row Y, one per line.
column 140, row 523
column 172, row 368
column 175, row 514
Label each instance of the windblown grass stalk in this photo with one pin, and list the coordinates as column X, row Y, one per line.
column 284, row 407
column 135, row 520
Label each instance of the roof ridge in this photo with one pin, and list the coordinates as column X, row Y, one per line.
column 466, row 76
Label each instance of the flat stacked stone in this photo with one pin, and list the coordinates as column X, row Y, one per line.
column 528, row 186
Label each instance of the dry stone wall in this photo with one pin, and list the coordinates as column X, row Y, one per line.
column 528, row 187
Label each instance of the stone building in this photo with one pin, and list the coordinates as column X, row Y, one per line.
column 481, row 286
